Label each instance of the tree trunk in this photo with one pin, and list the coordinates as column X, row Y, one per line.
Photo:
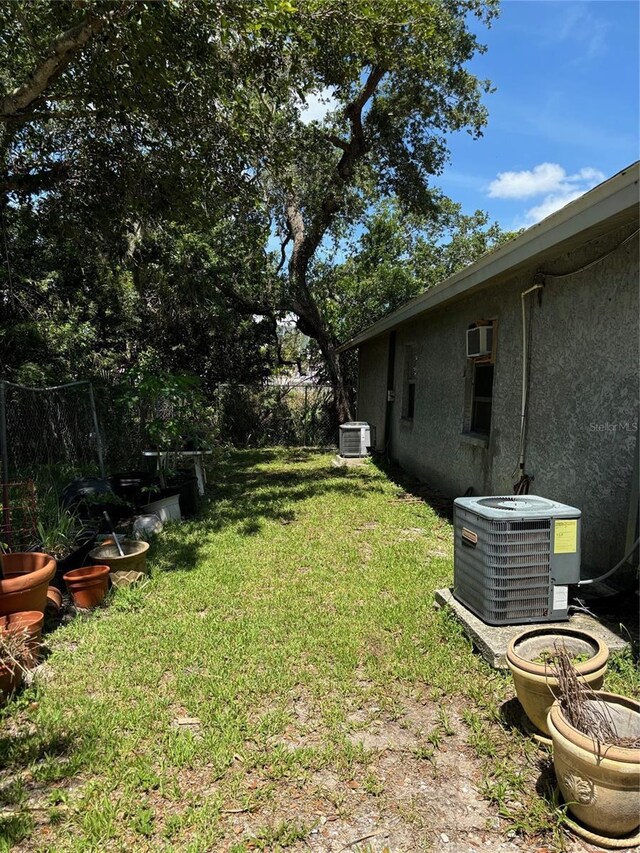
column 336, row 378
column 311, row 323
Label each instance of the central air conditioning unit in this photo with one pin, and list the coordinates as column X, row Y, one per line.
column 514, row 557
column 356, row 438
column 479, row 341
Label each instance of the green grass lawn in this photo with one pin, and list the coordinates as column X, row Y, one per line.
column 207, row 710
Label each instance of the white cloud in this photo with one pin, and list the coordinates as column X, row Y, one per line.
column 540, row 179
column 549, row 205
column 549, row 180
column 317, row 105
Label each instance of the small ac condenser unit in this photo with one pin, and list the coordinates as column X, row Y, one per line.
column 356, row 438
column 514, row 557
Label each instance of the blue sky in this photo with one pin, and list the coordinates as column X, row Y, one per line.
column 564, row 115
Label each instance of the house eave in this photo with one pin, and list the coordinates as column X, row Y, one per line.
column 612, row 202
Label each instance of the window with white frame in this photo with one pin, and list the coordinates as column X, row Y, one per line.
column 479, row 375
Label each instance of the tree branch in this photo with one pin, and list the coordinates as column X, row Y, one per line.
column 33, row 182
column 55, row 115
column 283, row 254
column 335, row 140
column 243, row 304
column 59, row 53
column 306, row 241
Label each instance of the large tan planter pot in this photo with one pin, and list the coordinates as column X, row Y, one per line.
column 25, row 581
column 536, row 687
column 600, row 783
column 134, row 560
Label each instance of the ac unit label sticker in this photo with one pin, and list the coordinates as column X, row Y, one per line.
column 565, row 536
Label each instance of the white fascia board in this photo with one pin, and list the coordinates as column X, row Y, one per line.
column 606, row 201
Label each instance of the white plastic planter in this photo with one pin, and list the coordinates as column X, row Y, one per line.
column 167, row 509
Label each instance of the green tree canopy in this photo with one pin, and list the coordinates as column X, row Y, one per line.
column 175, row 128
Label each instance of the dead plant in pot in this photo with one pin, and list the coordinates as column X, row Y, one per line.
column 596, row 756
column 16, row 651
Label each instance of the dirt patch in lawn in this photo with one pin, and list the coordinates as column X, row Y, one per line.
column 417, row 790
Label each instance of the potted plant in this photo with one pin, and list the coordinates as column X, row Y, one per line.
column 29, row 622
column 61, row 533
column 93, row 505
column 129, row 485
column 530, row 656
column 15, row 655
column 596, row 757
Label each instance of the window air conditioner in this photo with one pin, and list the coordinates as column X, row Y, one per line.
column 479, row 341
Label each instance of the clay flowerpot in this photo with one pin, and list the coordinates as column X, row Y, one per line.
column 25, row 581
column 600, row 783
column 134, row 560
column 10, row 680
column 534, row 681
column 30, row 621
column 54, row 600
column 88, row 585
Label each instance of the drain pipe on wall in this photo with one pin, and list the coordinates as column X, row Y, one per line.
column 523, row 482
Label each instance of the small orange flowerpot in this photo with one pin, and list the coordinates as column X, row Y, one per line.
column 30, row 621
column 88, row 585
column 54, row 600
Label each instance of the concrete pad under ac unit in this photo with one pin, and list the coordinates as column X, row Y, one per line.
column 492, row 641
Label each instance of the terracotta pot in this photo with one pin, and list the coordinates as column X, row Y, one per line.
column 10, row 680
column 30, row 621
column 600, row 783
column 88, row 585
column 534, row 682
column 134, row 560
column 54, row 600
column 25, row 582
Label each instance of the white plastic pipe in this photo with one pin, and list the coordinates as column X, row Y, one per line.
column 523, row 413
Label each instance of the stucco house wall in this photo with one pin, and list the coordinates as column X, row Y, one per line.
column 372, row 385
column 583, row 390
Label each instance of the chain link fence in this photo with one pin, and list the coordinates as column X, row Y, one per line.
column 287, row 414
column 73, row 427
column 48, row 426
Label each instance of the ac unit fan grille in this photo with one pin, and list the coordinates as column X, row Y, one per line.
column 350, row 441
column 506, row 577
column 517, row 503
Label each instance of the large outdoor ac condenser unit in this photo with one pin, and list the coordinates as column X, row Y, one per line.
column 356, row 438
column 514, row 557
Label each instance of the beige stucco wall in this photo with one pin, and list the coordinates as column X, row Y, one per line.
column 372, row 385
column 583, row 415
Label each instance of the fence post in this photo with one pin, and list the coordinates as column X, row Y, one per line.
column 304, row 416
column 3, row 432
column 4, row 451
column 96, row 427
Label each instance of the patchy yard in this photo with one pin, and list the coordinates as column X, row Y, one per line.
column 284, row 681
